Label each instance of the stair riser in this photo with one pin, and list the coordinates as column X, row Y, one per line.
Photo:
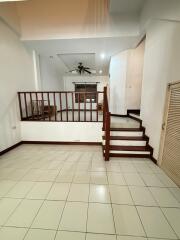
column 126, row 134
column 126, row 143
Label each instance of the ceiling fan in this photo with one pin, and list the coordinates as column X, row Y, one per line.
column 82, row 69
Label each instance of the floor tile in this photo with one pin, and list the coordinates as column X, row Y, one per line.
column 7, row 206
column 127, row 221
column 98, row 178
column 133, row 179
column 166, row 180
column 130, row 238
column 32, row 175
column 79, row 192
column 120, row 195
column 112, row 167
column 98, row 168
column 24, row 214
column 164, row 197
column 99, row 194
column 39, row 190
column 20, row 190
column 151, row 180
column 38, row 234
column 74, row 217
column 155, row 224
column 127, row 167
column 49, row 215
column 142, row 167
column 5, row 186
column 176, row 193
column 59, row 191
column 48, row 175
column 116, row 178
column 17, row 174
column 142, row 196
column 91, row 236
column 173, row 216
column 65, row 177
column 9, row 233
column 62, row 235
column 81, row 177
column 100, row 218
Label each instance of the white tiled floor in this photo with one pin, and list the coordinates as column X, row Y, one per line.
column 69, row 193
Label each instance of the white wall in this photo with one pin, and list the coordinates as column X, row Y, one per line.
column 51, row 74
column 159, row 9
column 134, row 77
column 61, row 131
column 161, row 66
column 16, row 74
column 126, row 73
column 118, row 75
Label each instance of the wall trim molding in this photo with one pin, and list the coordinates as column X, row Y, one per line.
column 50, row 143
column 119, row 115
column 62, row 143
column 10, row 148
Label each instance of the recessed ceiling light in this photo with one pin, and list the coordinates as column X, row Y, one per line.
column 102, row 55
column 100, row 71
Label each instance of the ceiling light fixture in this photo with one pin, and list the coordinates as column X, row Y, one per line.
column 100, row 71
column 102, row 55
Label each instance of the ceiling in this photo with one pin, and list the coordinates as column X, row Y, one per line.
column 126, row 6
column 95, row 52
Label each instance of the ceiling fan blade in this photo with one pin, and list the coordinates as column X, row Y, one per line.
column 87, row 71
column 86, row 68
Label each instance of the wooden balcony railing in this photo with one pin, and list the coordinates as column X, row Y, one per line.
column 61, row 106
column 106, row 125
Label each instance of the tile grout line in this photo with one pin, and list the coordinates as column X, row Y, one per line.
column 88, row 199
column 43, row 201
column 112, row 207
column 137, row 211
column 65, row 202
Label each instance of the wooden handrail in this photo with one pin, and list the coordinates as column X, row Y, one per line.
column 106, row 125
column 60, row 106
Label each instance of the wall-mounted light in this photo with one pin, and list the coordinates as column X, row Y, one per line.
column 100, row 71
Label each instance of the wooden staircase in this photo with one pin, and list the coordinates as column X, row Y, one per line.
column 128, row 142
column 123, row 142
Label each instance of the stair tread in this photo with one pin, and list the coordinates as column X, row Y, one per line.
column 130, row 148
column 129, row 155
column 129, row 138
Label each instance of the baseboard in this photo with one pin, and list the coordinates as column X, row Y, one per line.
column 50, row 143
column 153, row 159
column 119, row 115
column 62, row 143
column 10, row 148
